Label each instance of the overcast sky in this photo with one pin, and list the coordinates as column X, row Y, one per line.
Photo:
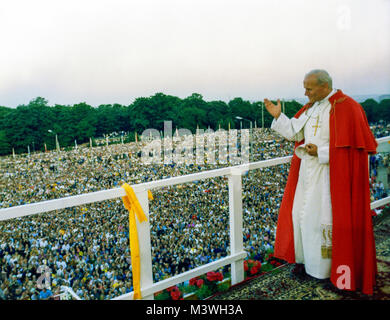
column 113, row 51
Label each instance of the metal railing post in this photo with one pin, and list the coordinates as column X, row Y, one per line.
column 235, row 218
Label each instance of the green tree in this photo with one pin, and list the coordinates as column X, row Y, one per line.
column 107, row 120
column 141, row 115
column 25, row 125
column 5, row 147
column 216, row 114
column 84, row 121
column 192, row 112
column 384, row 110
column 370, row 107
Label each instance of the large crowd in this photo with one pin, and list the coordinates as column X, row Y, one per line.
column 379, row 161
column 380, row 129
column 86, row 248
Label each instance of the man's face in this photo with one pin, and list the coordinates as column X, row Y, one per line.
column 313, row 90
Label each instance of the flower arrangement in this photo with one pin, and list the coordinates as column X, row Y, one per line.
column 210, row 283
column 275, row 262
column 214, row 276
column 206, row 285
column 171, row 293
column 252, row 267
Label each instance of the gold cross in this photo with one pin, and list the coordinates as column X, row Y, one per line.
column 316, row 125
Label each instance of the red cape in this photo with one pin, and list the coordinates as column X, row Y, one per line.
column 353, row 244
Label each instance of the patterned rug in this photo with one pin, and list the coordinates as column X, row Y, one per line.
column 280, row 284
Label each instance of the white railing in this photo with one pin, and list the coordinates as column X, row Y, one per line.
column 148, row 288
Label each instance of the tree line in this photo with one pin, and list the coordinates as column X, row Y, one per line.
column 36, row 124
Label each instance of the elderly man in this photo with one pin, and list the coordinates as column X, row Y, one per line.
column 324, row 221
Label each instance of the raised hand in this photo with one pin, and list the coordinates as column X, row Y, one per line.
column 274, row 110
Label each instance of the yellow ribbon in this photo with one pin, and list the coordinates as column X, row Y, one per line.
column 132, row 204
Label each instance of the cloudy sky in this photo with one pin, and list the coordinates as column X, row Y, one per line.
column 113, row 51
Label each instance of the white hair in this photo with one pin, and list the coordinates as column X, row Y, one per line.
column 322, row 76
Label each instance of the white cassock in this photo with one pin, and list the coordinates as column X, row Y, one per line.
column 312, row 209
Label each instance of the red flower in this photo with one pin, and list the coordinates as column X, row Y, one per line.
column 246, row 266
column 175, row 294
column 214, row 276
column 211, row 276
column 193, row 281
column 254, row 270
column 199, row 283
column 173, row 288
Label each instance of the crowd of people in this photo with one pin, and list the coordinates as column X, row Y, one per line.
column 380, row 129
column 86, row 248
column 379, row 161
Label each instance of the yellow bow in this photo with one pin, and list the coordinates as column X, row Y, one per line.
column 132, row 204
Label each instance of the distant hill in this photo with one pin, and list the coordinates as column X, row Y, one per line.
column 359, row 98
column 377, row 97
column 383, row 97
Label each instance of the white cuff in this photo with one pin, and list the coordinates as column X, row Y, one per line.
column 277, row 124
column 323, row 154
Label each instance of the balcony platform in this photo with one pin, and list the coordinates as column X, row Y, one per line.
column 282, row 285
